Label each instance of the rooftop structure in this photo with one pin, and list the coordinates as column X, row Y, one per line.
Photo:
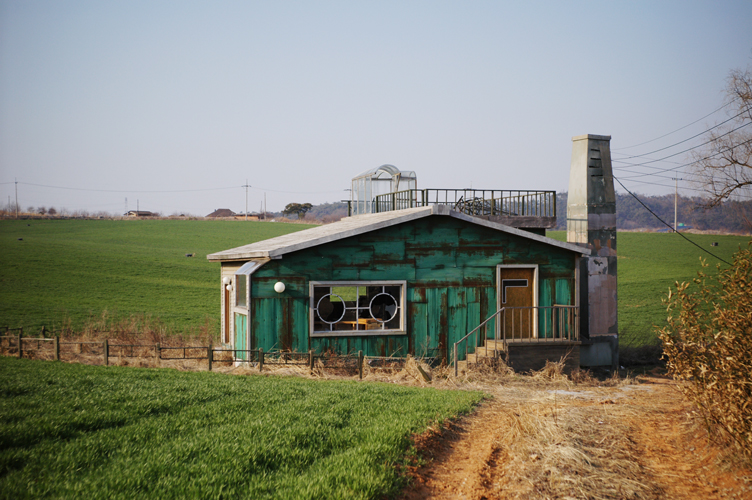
column 386, row 188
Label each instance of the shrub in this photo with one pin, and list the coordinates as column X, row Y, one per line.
column 708, row 343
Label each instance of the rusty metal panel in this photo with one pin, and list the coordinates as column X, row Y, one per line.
column 436, row 299
column 418, row 337
column 456, row 314
column 299, row 324
column 265, row 329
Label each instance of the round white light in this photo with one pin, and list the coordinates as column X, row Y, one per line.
column 279, row 287
column 229, row 288
column 226, row 280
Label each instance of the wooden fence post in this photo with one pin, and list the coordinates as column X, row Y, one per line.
column 209, row 354
column 310, row 359
column 56, row 347
column 360, row 365
column 106, row 352
column 20, row 347
column 261, row 359
column 157, row 354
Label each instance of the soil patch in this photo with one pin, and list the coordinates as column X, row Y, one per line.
column 560, row 440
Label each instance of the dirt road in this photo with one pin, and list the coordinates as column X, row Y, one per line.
column 541, row 440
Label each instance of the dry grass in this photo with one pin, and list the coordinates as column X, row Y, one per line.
column 545, row 450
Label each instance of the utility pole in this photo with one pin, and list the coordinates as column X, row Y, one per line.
column 16, row 179
column 676, row 200
column 246, row 186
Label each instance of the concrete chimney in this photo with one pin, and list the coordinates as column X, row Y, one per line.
column 591, row 223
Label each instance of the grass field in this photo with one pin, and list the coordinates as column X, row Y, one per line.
column 74, row 270
column 78, row 431
column 650, row 263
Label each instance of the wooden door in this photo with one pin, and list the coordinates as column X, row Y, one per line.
column 517, row 297
column 226, row 326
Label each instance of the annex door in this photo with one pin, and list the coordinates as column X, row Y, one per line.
column 241, row 334
column 516, row 294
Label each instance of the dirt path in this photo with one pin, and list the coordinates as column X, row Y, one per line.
column 537, row 440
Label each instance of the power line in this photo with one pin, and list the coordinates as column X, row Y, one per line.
column 661, row 170
column 695, row 147
column 685, row 187
column 646, row 158
column 170, row 191
column 681, row 128
column 688, row 139
column 126, row 191
column 668, row 225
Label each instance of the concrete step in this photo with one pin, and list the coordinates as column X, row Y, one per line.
column 497, row 345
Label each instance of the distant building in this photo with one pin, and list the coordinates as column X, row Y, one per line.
column 251, row 216
column 140, row 213
column 222, row 212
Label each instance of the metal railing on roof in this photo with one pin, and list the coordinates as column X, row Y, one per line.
column 479, row 202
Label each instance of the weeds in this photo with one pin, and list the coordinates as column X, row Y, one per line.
column 708, row 344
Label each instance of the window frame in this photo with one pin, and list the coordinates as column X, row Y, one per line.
column 402, row 330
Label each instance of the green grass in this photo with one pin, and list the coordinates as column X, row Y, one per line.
column 73, row 270
column 649, row 264
column 78, row 431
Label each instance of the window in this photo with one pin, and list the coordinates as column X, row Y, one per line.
column 357, row 308
column 241, row 281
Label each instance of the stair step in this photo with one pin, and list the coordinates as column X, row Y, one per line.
column 498, row 345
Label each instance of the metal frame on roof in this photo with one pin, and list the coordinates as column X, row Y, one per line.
column 377, row 181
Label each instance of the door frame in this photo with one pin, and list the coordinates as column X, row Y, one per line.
column 499, row 305
column 244, row 272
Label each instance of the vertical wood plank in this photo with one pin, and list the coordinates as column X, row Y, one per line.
column 210, row 354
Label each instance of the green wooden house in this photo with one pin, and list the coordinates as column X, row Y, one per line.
column 403, row 281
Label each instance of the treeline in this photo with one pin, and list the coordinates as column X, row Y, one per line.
column 630, row 214
column 324, row 213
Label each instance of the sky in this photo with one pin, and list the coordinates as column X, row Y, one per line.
column 174, row 106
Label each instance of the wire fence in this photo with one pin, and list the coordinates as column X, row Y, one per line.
column 101, row 352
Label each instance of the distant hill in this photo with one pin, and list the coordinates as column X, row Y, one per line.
column 631, row 215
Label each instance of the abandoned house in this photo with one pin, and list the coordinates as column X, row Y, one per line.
column 418, row 271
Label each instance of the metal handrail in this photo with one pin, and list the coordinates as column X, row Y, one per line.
column 510, row 203
column 560, row 330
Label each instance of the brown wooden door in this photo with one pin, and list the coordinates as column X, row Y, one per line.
column 516, row 292
column 226, row 329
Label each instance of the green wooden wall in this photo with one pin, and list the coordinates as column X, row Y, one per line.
column 450, row 269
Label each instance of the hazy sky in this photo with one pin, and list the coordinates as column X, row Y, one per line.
column 176, row 104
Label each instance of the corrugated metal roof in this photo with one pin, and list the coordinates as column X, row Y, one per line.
column 354, row 226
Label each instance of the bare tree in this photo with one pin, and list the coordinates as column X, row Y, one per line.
column 725, row 164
